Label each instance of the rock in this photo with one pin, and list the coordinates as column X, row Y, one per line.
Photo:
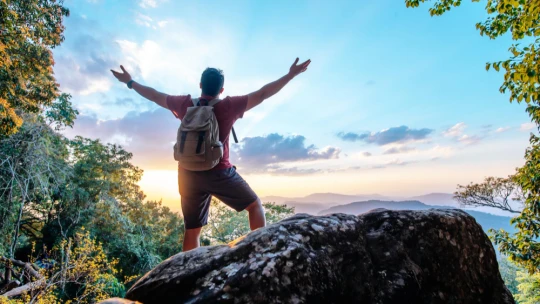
column 118, row 301
column 431, row 256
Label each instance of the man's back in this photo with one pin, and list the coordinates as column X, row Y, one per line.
column 227, row 111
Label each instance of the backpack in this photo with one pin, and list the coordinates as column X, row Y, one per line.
column 197, row 146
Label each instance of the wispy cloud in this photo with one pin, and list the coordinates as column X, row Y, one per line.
column 457, row 132
column 502, row 129
column 400, row 149
column 401, row 134
column 144, row 20
column 148, row 3
column 527, row 126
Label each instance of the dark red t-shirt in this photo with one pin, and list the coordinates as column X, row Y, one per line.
column 227, row 112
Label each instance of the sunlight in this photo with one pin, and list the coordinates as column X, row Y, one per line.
column 161, row 184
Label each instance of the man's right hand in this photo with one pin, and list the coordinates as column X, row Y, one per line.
column 298, row 68
column 122, row 77
column 144, row 91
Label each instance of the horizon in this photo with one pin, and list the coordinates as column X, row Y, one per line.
column 417, row 111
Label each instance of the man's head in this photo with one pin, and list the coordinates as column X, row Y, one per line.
column 212, row 81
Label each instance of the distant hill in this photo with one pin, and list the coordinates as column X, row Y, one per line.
column 317, row 202
column 328, row 199
column 486, row 220
column 439, row 199
column 310, row 208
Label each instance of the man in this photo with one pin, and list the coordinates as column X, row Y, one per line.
column 223, row 182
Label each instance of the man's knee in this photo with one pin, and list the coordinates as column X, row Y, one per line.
column 195, row 232
column 255, row 205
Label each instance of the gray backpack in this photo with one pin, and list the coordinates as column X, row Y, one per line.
column 197, row 145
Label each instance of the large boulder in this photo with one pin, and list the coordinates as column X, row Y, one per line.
column 432, row 256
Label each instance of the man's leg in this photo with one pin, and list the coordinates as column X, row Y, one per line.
column 195, row 206
column 191, row 239
column 230, row 188
column 257, row 218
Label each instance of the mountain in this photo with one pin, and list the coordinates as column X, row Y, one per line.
column 438, row 199
column 325, row 198
column 486, row 220
column 309, row 208
column 316, row 202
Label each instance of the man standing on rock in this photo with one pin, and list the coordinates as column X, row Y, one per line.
column 222, row 181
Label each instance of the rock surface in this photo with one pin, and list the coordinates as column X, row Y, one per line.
column 432, row 256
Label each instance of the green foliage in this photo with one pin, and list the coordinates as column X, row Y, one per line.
column 225, row 224
column 140, row 235
column 28, row 31
column 50, row 187
column 508, row 272
column 32, row 168
column 529, row 286
column 522, row 81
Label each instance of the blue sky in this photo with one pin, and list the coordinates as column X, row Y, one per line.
column 411, row 89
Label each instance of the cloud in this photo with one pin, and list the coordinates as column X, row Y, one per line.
column 469, row 139
column 175, row 56
column 148, row 3
column 143, row 20
column 82, row 66
column 502, row 129
column 366, row 154
column 275, row 148
column 456, row 130
column 527, row 126
column 398, row 162
column 457, row 133
column 392, row 163
column 398, row 150
column 292, row 171
column 401, row 134
column 149, row 135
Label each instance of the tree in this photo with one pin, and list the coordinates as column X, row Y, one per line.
column 29, row 29
column 528, row 288
column 508, row 272
column 32, row 167
column 494, row 192
column 225, row 224
column 522, row 81
column 82, row 274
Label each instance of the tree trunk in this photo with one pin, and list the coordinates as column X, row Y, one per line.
column 25, row 288
column 16, row 233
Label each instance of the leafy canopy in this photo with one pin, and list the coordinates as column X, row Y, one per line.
column 29, row 29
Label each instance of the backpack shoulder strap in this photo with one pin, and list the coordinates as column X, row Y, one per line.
column 213, row 102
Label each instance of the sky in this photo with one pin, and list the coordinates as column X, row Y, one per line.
column 395, row 102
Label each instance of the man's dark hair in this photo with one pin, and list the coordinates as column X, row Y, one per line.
column 212, row 81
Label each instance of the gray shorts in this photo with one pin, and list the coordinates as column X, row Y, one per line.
column 197, row 188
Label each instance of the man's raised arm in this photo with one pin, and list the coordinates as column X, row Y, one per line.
column 146, row 92
column 255, row 98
